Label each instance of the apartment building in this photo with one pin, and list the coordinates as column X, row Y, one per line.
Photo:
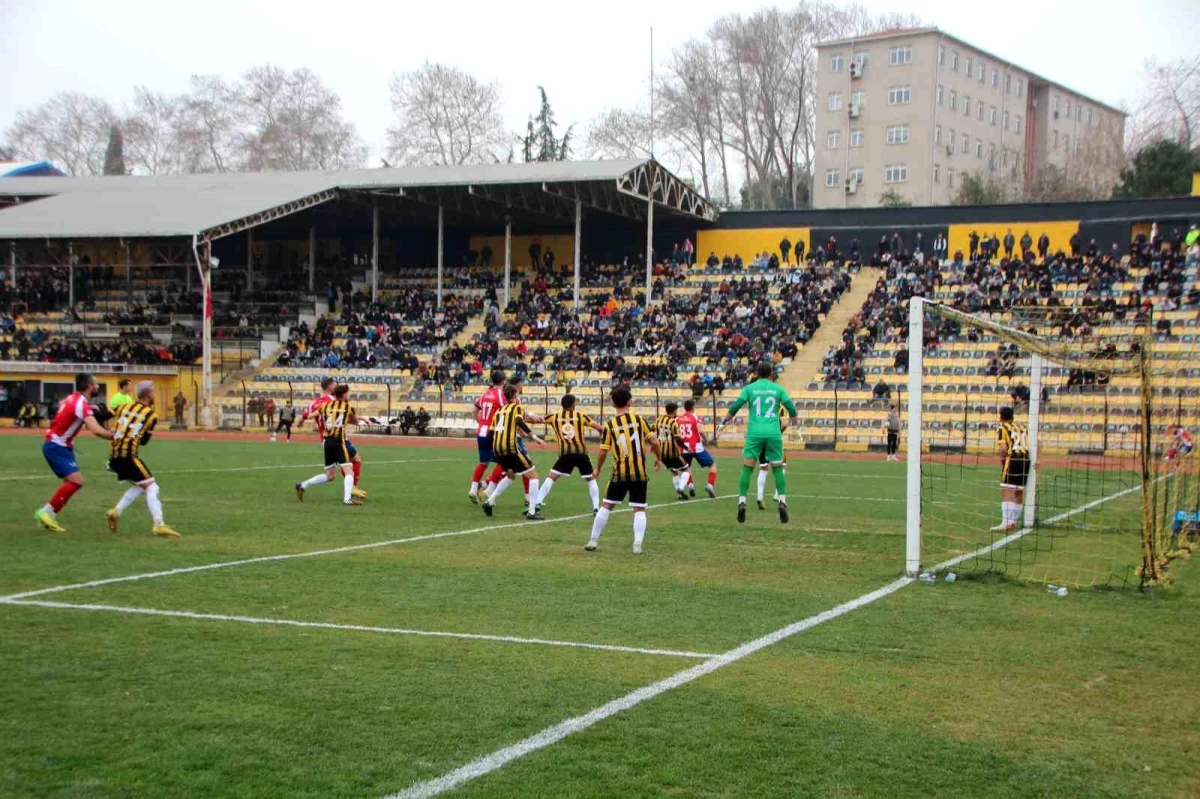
column 914, row 110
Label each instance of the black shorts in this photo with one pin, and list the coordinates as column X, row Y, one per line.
column 338, row 451
column 617, row 490
column 1015, row 472
column 516, row 462
column 675, row 464
column 571, row 461
column 131, row 470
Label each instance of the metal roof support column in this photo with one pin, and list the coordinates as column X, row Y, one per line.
column 204, row 266
column 249, row 260
column 578, row 237
column 507, row 261
column 71, row 274
column 375, row 254
column 12, row 269
column 312, row 258
column 650, row 243
column 440, row 254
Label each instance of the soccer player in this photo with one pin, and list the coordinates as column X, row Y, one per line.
column 625, row 435
column 568, row 426
column 508, row 424
column 335, row 416
column 764, row 468
column 1181, row 444
column 485, row 408
column 314, row 410
column 498, row 473
column 131, row 432
column 694, row 448
column 670, row 442
column 1014, row 449
column 764, row 438
column 74, row 413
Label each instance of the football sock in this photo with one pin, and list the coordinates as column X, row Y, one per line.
column 712, row 479
column 477, row 475
column 525, row 483
column 744, row 482
column 357, row 470
column 347, row 487
column 316, row 480
column 127, row 499
column 545, row 492
column 780, row 481
column 532, row 491
column 594, row 493
column 639, row 526
column 690, row 480
column 500, row 488
column 762, row 483
column 497, row 475
column 63, row 495
column 154, row 503
column 598, row 524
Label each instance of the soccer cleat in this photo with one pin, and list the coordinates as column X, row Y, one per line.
column 761, row 505
column 783, row 514
column 164, row 531
column 473, row 497
column 300, row 491
column 595, row 511
column 681, row 494
column 741, row 513
column 1002, row 526
column 353, row 502
column 590, row 546
column 358, row 493
column 712, row 492
column 49, row 522
column 637, row 548
column 111, row 515
column 535, row 516
column 487, row 509
column 692, row 489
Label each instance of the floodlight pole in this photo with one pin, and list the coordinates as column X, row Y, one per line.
column 250, row 260
column 375, row 256
column 71, row 274
column 1036, row 367
column 440, row 252
column 578, row 237
column 916, row 337
column 650, row 240
column 204, row 267
column 312, row 258
column 507, row 261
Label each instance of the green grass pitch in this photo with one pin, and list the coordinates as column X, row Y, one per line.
column 984, row 687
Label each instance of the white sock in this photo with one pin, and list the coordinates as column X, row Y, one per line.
column 128, row 498
column 762, row 483
column 639, row 527
column 48, row 508
column 154, row 504
column 594, row 493
column 535, row 494
column 315, row 481
column 598, row 524
column 474, row 488
column 500, row 488
column 347, row 487
column 545, row 492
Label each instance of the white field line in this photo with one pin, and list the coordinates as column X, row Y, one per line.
column 250, row 468
column 320, row 552
column 551, row 735
column 510, row 639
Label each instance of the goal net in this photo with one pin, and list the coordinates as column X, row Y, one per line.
column 1105, row 413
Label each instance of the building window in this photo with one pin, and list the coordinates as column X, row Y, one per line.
column 897, row 173
column 862, row 59
column 950, row 139
column 898, row 56
column 995, row 78
column 1079, row 112
column 992, row 115
column 856, row 175
column 1055, row 145
column 953, row 100
column 1076, row 144
column 979, row 110
column 832, row 138
column 833, row 178
column 966, row 105
column 967, row 67
column 1007, row 83
column 858, row 100
column 954, row 60
column 941, row 56
column 1004, row 121
column 835, row 101
column 1017, row 123
column 966, row 144
column 900, row 95
column 856, row 138
column 949, row 178
column 937, row 174
column 941, row 90
column 898, row 134
column 1054, row 107
column 979, row 72
column 835, row 63
column 1004, row 158
column 1088, row 115
column 1020, row 87
column 979, row 148
column 1067, row 109
column 937, row 134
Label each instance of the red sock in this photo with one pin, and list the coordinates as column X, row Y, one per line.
column 357, row 470
column 63, row 495
column 497, row 475
column 477, row 475
column 691, row 482
column 525, row 480
column 712, row 478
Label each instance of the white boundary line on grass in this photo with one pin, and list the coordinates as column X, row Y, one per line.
column 510, row 639
column 551, row 735
column 249, row 468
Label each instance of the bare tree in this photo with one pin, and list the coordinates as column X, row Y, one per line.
column 70, row 129
column 294, row 122
column 619, row 133
column 445, row 116
column 1170, row 104
column 689, row 95
column 153, row 135
column 209, row 129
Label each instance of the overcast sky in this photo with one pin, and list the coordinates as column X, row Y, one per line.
column 589, row 56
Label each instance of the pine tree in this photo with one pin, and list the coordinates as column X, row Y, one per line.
column 540, row 142
column 114, row 157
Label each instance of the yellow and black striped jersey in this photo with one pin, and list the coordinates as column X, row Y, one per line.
column 626, row 436
column 666, row 430
column 568, row 427
column 1014, row 437
column 335, row 416
column 134, row 424
column 506, row 423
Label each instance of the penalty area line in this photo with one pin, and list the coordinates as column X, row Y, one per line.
column 508, row 639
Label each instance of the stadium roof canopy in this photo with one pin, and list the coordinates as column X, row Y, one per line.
column 211, row 206
column 30, row 169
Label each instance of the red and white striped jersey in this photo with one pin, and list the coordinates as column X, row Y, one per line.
column 689, row 431
column 68, row 419
column 314, row 410
column 486, row 407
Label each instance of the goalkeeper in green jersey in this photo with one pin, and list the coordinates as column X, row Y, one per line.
column 764, row 438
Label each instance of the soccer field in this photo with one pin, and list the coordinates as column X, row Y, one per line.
column 413, row 644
